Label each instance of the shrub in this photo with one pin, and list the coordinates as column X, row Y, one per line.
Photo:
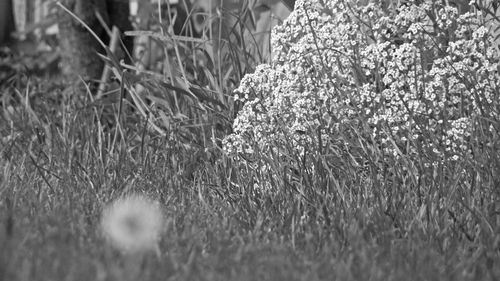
column 377, row 112
column 413, row 79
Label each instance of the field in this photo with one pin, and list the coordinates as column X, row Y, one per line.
column 254, row 183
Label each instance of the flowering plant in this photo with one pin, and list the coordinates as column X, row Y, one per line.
column 418, row 76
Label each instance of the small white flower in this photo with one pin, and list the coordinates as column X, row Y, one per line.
column 132, row 223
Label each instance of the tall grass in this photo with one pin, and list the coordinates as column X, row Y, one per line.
column 340, row 210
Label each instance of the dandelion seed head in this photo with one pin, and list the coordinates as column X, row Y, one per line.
column 132, row 224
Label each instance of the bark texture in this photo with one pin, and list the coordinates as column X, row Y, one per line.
column 79, row 47
column 7, row 25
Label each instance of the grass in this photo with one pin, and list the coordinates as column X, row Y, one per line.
column 63, row 159
column 53, row 190
column 52, row 201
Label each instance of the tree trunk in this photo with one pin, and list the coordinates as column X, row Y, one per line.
column 79, row 47
column 6, row 21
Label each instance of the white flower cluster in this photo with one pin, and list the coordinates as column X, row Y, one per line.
column 419, row 75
